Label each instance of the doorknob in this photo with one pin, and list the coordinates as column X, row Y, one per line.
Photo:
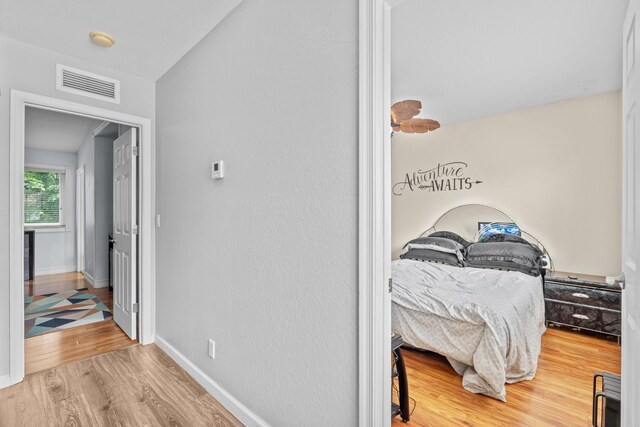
column 617, row 280
column 622, row 281
column 112, row 240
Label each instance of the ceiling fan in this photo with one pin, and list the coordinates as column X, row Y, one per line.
column 403, row 118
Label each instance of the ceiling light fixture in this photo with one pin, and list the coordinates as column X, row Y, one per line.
column 102, row 39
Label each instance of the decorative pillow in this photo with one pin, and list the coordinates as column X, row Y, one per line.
column 506, row 238
column 488, row 229
column 451, row 236
column 505, row 255
column 437, row 249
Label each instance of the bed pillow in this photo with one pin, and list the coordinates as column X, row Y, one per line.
column 436, row 249
column 507, row 255
column 506, row 238
column 451, row 236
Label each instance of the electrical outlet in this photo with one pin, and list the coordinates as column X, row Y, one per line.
column 212, row 349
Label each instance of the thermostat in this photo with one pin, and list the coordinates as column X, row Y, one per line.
column 217, row 170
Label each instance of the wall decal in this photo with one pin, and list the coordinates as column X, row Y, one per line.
column 450, row 176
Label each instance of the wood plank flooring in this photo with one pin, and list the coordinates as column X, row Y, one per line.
column 559, row 395
column 137, row 386
column 68, row 345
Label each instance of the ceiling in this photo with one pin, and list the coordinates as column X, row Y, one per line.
column 468, row 59
column 50, row 130
column 151, row 35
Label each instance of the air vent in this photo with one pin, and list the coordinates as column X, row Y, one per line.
column 87, row 84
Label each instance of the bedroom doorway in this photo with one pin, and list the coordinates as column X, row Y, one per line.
column 75, row 301
column 69, row 200
column 631, row 222
column 375, row 185
column 132, row 287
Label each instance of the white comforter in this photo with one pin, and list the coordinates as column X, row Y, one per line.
column 488, row 323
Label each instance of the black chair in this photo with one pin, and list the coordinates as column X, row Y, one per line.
column 400, row 371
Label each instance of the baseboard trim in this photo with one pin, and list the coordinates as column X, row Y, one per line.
column 102, row 283
column 54, row 270
column 89, row 278
column 232, row 404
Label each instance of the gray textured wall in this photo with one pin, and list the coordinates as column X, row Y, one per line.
column 32, row 69
column 265, row 261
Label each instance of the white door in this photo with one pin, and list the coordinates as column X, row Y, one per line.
column 125, row 233
column 630, row 223
column 80, row 221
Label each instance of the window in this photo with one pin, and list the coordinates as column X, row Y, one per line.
column 44, row 197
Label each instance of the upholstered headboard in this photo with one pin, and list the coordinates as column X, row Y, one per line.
column 465, row 219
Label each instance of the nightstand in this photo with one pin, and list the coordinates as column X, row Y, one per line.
column 583, row 302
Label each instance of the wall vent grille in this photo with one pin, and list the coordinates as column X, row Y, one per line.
column 87, row 84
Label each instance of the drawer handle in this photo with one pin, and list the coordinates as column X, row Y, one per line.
column 581, row 316
column 579, row 295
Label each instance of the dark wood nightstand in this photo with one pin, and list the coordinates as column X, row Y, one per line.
column 584, row 302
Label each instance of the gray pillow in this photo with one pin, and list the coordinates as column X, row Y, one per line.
column 508, row 255
column 451, row 236
column 435, row 249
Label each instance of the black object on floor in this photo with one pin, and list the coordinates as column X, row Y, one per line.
column 403, row 386
column 609, row 394
column 29, row 254
column 112, row 242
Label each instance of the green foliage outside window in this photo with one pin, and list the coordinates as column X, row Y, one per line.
column 41, row 197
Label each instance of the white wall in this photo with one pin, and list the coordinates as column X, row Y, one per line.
column 265, row 261
column 86, row 156
column 28, row 68
column 55, row 250
column 555, row 169
column 96, row 155
column 104, row 207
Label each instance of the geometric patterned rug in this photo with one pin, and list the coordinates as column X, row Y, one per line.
column 68, row 309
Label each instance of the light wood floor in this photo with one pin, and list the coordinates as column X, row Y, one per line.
column 57, row 348
column 136, row 386
column 559, row 395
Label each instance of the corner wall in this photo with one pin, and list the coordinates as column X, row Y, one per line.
column 556, row 169
column 265, row 261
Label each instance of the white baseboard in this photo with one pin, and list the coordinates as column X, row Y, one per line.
column 102, row 283
column 89, row 278
column 54, row 270
column 232, row 404
column 5, row 381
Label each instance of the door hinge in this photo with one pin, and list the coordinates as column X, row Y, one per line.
column 135, row 308
column 135, row 229
column 390, row 285
column 135, row 150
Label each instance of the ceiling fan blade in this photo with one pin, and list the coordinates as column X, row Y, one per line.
column 405, row 110
column 418, row 126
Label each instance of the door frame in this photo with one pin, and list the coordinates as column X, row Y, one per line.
column 80, row 219
column 19, row 102
column 374, row 269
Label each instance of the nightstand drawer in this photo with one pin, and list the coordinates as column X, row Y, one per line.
column 582, row 296
column 581, row 316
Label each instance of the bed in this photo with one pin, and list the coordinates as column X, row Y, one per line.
column 488, row 322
